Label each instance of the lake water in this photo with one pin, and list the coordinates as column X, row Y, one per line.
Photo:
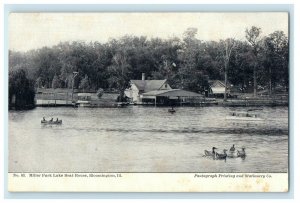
column 146, row 139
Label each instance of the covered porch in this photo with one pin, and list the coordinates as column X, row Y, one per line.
column 171, row 97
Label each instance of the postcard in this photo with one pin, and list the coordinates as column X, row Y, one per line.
column 148, row 102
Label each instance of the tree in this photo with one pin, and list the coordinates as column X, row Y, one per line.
column 69, row 81
column 252, row 36
column 84, row 83
column 276, row 59
column 190, row 34
column 187, row 63
column 46, row 63
column 212, row 60
column 239, row 71
column 119, row 73
column 100, row 92
column 191, row 72
column 228, row 45
column 55, row 82
column 38, row 82
column 21, row 89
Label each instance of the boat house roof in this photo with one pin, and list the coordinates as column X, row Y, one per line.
column 218, row 83
column 172, row 93
column 148, row 85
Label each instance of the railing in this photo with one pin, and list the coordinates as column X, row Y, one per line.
column 53, row 99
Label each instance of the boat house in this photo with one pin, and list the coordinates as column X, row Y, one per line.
column 159, row 92
column 139, row 87
column 217, row 88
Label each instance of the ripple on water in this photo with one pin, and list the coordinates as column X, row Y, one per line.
column 138, row 139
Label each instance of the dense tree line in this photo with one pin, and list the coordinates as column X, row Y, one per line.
column 21, row 90
column 255, row 63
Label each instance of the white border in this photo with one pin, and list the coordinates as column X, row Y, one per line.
column 295, row 76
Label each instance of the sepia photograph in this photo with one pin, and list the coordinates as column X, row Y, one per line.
column 148, row 92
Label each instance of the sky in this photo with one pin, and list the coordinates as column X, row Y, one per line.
column 34, row 30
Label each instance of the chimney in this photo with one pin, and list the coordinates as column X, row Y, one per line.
column 143, row 76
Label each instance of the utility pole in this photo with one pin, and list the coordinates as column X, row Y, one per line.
column 74, row 76
column 229, row 45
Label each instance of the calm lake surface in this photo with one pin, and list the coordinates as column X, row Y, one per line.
column 146, row 139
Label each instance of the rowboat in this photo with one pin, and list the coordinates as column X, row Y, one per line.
column 172, row 110
column 244, row 116
column 58, row 122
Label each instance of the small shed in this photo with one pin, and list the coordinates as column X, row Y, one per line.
column 217, row 87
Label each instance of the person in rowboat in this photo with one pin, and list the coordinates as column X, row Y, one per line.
column 232, row 149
